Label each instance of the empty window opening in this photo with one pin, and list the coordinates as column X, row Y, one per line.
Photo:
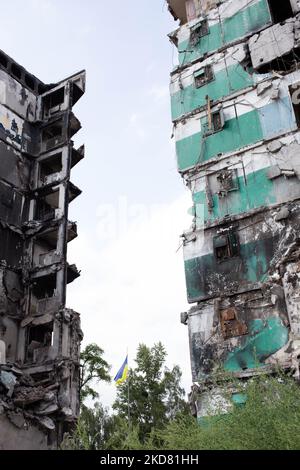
column 50, row 166
column 44, row 254
column 44, row 287
column 3, row 60
column 280, row 11
column 52, row 102
column 226, row 246
column 46, row 205
column 44, row 211
column 227, row 181
column 203, row 76
column 39, row 337
column 30, row 82
column 41, row 334
column 16, row 71
column 52, row 132
column 49, row 237
column 52, row 135
column 284, row 64
column 198, row 32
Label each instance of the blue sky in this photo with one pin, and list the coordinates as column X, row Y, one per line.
column 133, row 206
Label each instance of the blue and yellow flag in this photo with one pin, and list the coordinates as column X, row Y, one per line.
column 123, row 372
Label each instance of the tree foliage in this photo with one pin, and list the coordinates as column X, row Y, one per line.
column 93, row 429
column 92, row 368
column 155, row 394
column 269, row 420
column 160, row 420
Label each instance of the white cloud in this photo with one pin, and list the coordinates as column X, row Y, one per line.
column 132, row 289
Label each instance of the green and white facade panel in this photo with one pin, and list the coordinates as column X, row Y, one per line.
column 235, row 106
column 265, row 176
column 229, row 23
column 248, row 119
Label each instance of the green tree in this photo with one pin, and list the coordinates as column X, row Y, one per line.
column 93, row 368
column 269, row 420
column 155, row 394
column 92, row 431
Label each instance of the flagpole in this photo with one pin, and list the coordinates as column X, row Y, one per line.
column 128, row 393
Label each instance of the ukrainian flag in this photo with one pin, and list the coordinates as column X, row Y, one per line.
column 123, row 372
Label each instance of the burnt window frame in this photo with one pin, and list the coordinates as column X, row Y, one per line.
column 43, row 210
column 220, row 113
column 52, row 101
column 213, row 130
column 232, row 244
column 223, row 192
column 199, row 31
column 40, row 289
column 44, row 168
column 208, row 76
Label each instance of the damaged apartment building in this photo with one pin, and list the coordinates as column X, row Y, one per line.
column 39, row 336
column 235, row 99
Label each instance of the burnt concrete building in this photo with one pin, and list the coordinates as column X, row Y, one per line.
column 39, row 336
column 236, row 115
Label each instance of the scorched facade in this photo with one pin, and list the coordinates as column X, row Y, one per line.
column 39, row 336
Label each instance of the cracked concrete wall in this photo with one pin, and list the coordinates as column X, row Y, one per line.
column 275, row 42
column 16, row 434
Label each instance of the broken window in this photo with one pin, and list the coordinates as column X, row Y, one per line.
column 198, row 31
column 40, row 339
column 44, row 211
column 230, row 325
column 46, row 205
column 280, row 11
column 226, row 246
column 44, row 254
column 50, row 166
column 44, row 287
column 203, row 76
column 41, row 334
column 217, row 121
column 52, row 102
column 52, row 135
column 227, row 181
